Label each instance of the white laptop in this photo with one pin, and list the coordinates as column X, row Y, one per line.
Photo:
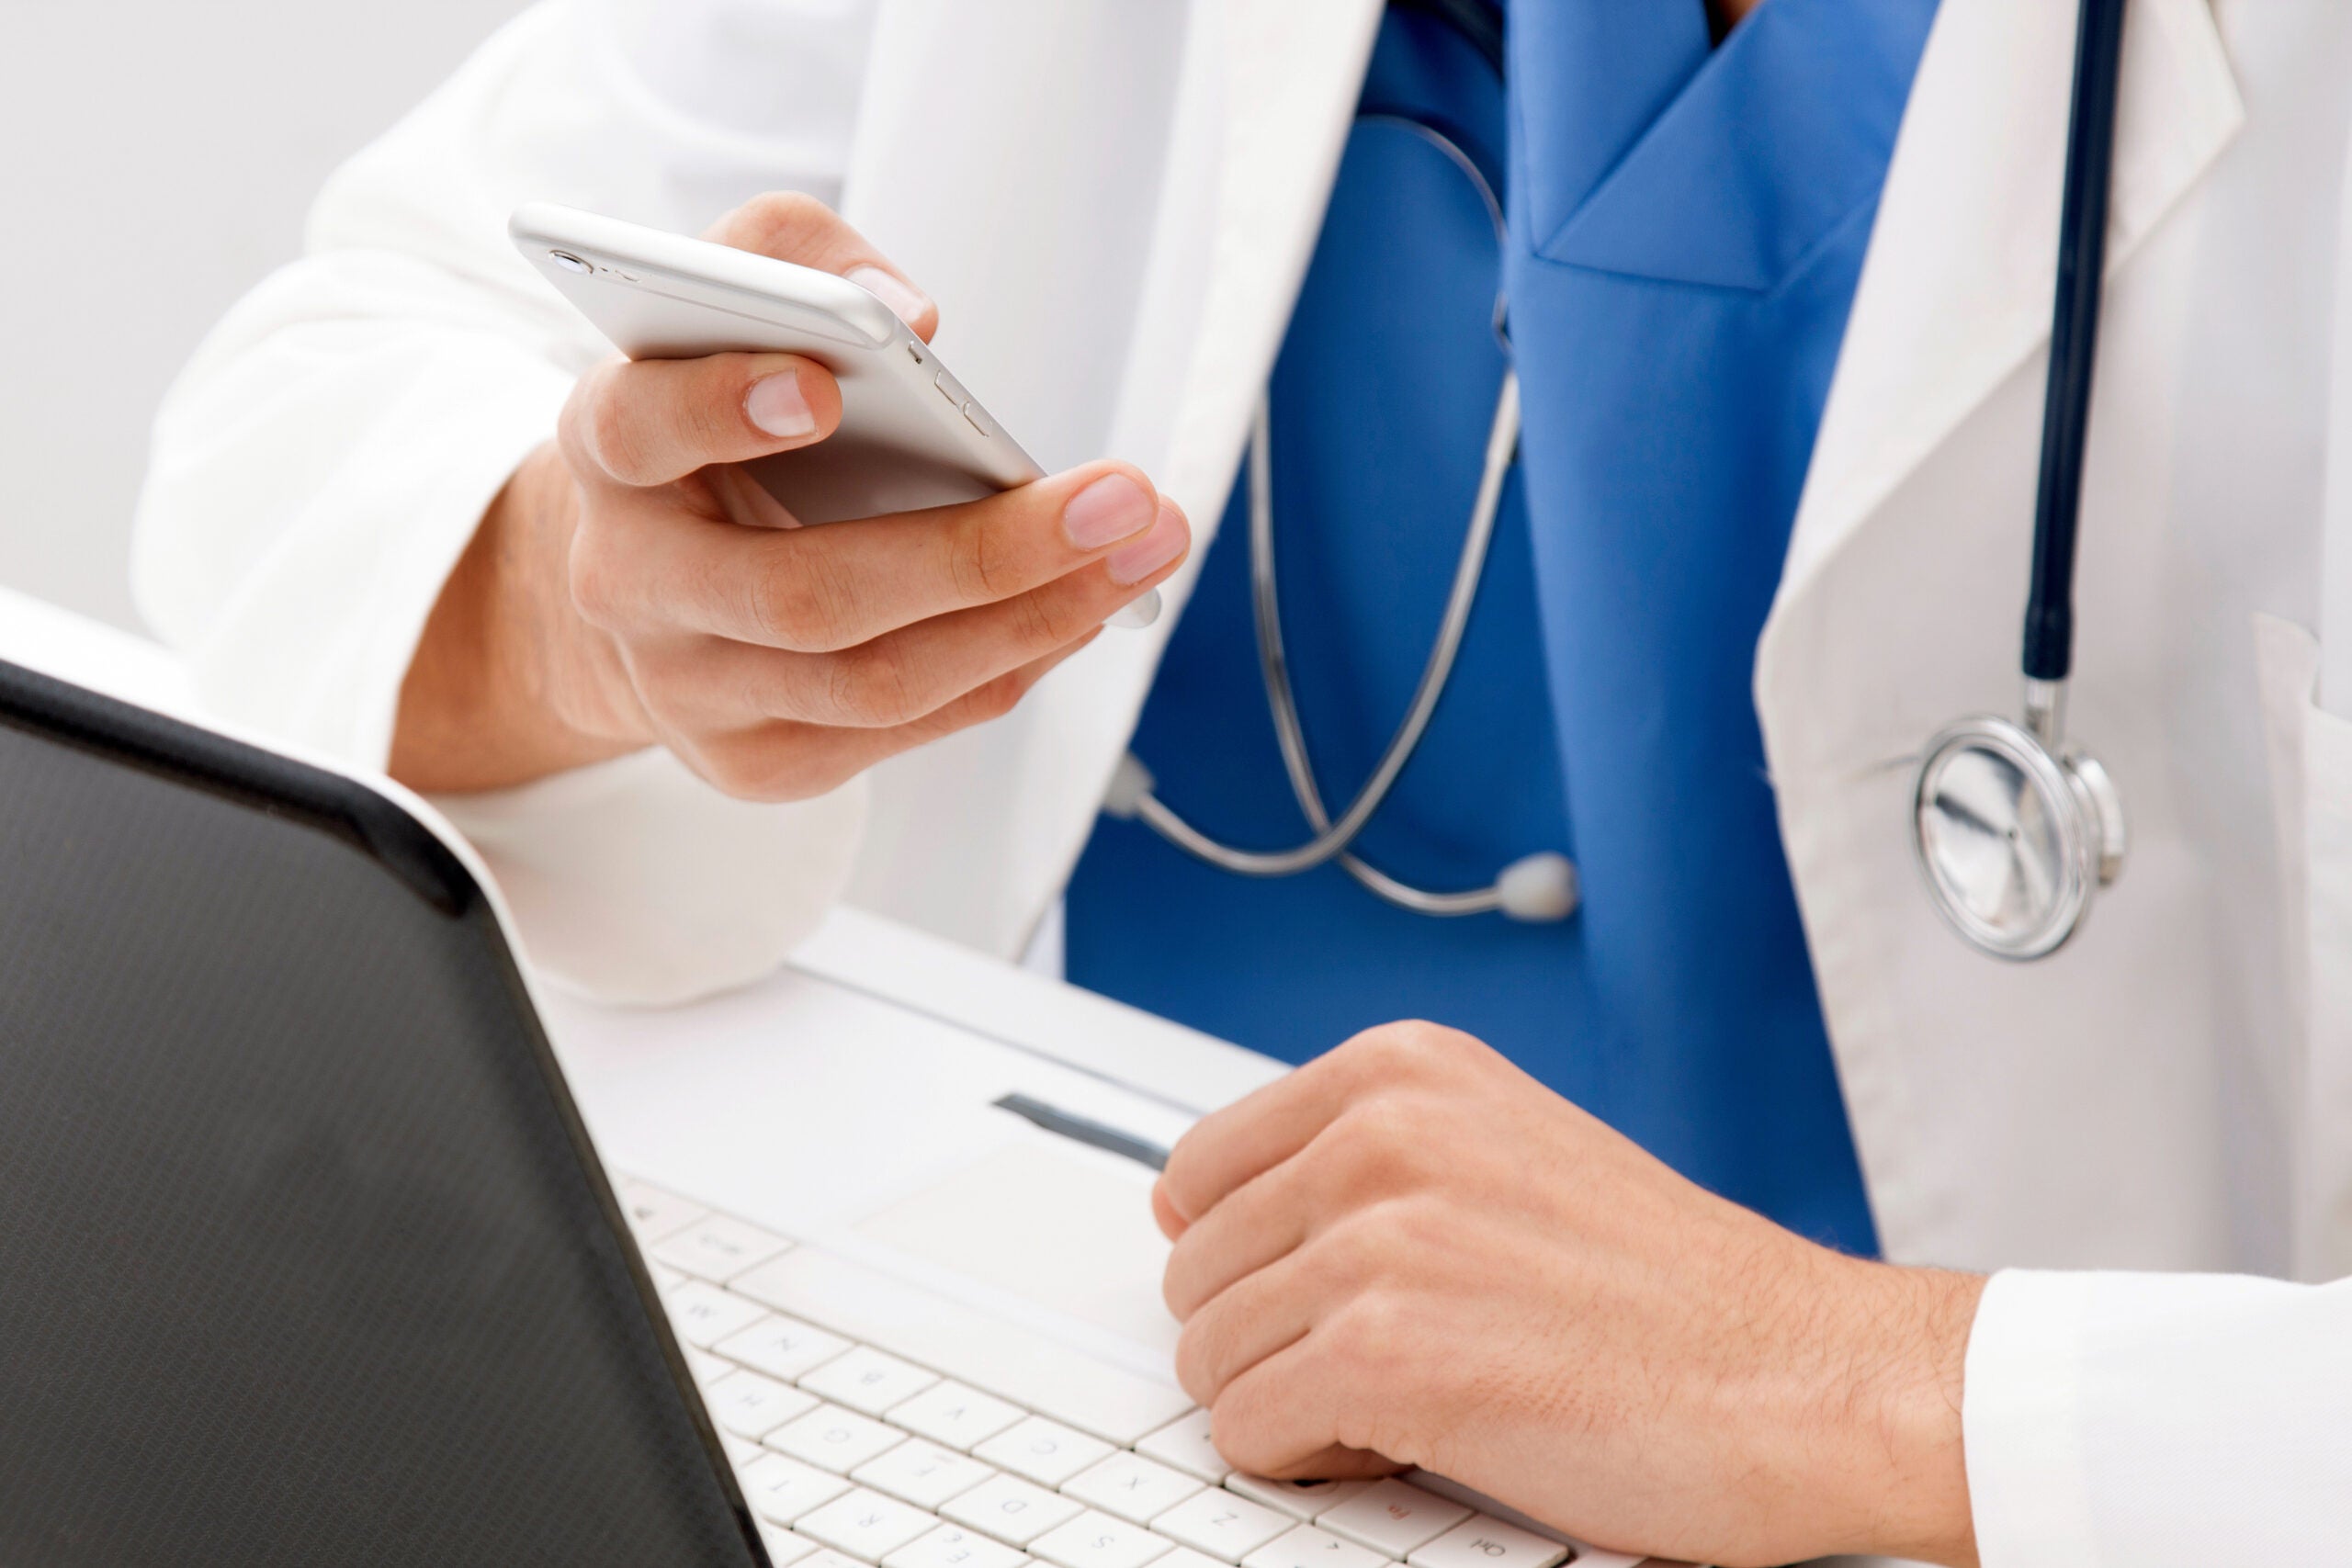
column 930, row 1326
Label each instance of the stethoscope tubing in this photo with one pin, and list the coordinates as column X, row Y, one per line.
column 2073, row 341
column 1332, row 838
column 1469, row 574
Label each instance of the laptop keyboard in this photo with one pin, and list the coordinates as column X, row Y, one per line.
column 876, row 1426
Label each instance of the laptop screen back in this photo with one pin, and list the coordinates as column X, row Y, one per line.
column 300, row 1259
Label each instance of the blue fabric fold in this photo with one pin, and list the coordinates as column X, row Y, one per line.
column 1596, row 74
column 1757, row 155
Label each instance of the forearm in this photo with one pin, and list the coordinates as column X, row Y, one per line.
column 506, row 684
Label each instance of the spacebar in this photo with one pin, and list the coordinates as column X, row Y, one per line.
column 991, row 1354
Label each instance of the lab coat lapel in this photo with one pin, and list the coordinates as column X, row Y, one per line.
column 1956, row 292
column 983, row 165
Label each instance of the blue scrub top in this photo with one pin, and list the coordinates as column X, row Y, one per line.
column 1687, row 224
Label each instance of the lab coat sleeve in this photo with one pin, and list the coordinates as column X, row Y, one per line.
column 2142, row 1419
column 325, row 458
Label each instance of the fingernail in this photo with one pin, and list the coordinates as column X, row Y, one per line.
column 1134, row 562
column 1105, row 511
column 905, row 303
column 774, row 403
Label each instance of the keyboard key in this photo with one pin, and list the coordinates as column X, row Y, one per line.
column 922, row 1473
column 706, row 1368
column 704, row 1315
column 1299, row 1499
column 866, row 1525
column 1308, row 1547
column 826, row 1557
column 740, row 1452
column 1225, row 1527
column 1045, row 1451
column 653, row 1213
column 1011, row 1510
column 1131, row 1486
column 1184, row 1443
column 952, row 1546
column 784, row 1547
column 869, row 1380
column 718, row 1249
column 752, row 1406
column 1482, row 1542
column 1392, row 1519
column 783, row 1489
column 781, row 1346
column 664, row 1277
column 989, row 1352
column 954, row 1416
column 1098, row 1540
column 839, row 1440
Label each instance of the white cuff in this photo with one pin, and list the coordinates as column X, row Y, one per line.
column 2022, row 1424
column 294, row 554
column 634, row 882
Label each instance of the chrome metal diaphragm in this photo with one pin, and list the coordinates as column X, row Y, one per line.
column 2013, row 841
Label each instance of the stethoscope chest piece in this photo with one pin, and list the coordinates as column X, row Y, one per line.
column 2014, row 839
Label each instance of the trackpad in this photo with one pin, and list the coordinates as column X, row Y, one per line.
column 1067, row 1229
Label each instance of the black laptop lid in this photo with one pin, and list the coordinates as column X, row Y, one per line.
column 302, row 1258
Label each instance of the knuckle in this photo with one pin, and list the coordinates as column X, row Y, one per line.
column 1370, row 1333
column 994, row 700
column 980, row 564
column 1377, row 1141
column 1047, row 618
column 1409, row 1049
column 781, row 222
column 800, row 602
column 615, row 434
column 1194, row 1362
column 871, row 685
column 1354, row 1256
column 709, row 417
column 1237, row 1434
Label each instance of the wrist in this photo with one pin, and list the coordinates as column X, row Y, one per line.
column 1903, row 1479
column 508, row 683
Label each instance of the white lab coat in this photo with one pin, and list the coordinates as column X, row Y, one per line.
column 1115, row 207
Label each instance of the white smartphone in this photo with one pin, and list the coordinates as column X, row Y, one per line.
column 910, row 436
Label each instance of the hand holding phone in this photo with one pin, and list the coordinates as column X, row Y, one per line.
column 641, row 581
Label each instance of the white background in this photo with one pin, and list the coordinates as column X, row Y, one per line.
column 156, row 157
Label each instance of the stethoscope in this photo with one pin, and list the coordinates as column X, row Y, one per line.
column 1536, row 888
column 2014, row 831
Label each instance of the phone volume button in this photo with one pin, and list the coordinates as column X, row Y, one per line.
column 949, row 389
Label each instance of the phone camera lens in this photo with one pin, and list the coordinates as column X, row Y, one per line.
column 569, row 262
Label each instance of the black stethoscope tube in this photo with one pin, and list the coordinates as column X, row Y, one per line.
column 2073, row 341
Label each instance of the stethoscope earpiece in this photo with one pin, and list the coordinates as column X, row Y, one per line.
column 1538, row 889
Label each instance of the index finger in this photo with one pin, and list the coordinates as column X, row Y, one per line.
column 1228, row 1148
column 840, row 584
